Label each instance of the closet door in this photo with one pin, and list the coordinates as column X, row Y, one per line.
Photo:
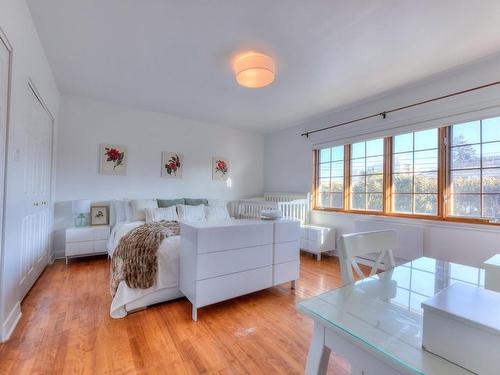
column 37, row 183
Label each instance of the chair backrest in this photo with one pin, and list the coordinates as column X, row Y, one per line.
column 357, row 244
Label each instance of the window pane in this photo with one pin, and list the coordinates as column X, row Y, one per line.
column 338, row 168
column 466, row 205
column 465, row 157
column 491, row 155
column 324, row 185
column 375, row 147
column 402, row 203
column 491, row 129
column 357, row 167
column 426, row 182
column 491, row 205
column 426, row 139
column 402, row 183
column 358, row 150
column 337, row 200
column 358, row 201
column 374, row 183
column 358, row 184
column 465, row 133
column 375, row 202
column 403, row 143
column 465, row 181
column 426, row 161
column 323, row 200
column 491, row 181
column 337, row 184
column 403, row 162
column 338, row 153
column 426, row 204
column 324, row 170
column 324, row 155
column 375, row 165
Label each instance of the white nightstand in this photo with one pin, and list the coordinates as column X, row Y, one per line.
column 86, row 241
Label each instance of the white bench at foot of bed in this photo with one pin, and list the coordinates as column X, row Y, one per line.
column 220, row 261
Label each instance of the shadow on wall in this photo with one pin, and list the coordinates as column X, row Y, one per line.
column 63, row 218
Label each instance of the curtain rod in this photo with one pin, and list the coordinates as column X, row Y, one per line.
column 384, row 113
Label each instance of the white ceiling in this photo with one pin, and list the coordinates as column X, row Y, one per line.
column 174, row 55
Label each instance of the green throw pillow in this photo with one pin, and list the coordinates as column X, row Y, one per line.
column 195, row 202
column 169, row 202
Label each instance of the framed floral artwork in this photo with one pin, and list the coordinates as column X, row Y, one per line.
column 220, row 169
column 171, row 164
column 113, row 159
column 99, row 215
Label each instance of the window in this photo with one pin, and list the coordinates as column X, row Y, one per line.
column 367, row 175
column 449, row 173
column 415, row 173
column 331, row 178
column 474, row 173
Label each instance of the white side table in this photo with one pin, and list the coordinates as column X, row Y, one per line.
column 317, row 239
column 86, row 241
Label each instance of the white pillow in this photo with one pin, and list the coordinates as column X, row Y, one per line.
column 217, row 213
column 161, row 213
column 139, row 206
column 129, row 214
column 191, row 213
column 118, row 211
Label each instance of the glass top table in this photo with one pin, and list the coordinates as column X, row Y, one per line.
column 384, row 311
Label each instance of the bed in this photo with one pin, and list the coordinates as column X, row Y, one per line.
column 167, row 285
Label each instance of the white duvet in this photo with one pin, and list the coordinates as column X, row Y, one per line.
column 167, row 276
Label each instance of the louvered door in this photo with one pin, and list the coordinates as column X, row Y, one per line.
column 36, row 190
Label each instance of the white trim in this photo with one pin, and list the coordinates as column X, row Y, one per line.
column 11, row 322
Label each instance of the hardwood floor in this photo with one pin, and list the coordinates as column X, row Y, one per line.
column 66, row 328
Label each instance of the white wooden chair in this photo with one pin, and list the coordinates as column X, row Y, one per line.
column 357, row 244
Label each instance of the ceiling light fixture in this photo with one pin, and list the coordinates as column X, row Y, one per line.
column 254, row 70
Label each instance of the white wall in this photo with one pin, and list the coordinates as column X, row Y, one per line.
column 85, row 123
column 28, row 62
column 288, row 155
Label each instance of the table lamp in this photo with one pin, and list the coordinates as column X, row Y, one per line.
column 81, row 209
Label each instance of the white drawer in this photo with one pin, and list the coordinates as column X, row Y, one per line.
column 79, row 248
column 285, row 272
column 100, row 246
column 79, row 234
column 286, row 252
column 229, row 286
column 101, row 233
column 285, row 231
column 225, row 262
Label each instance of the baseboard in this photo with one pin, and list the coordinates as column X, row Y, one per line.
column 11, row 322
column 58, row 254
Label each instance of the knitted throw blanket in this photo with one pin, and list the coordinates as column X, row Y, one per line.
column 135, row 258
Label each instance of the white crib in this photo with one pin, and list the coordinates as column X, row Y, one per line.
column 292, row 205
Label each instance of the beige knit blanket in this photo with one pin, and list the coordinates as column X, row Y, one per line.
column 135, row 258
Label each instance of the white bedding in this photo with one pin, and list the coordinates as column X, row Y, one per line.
column 167, row 282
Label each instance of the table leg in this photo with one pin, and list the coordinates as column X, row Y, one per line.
column 292, row 284
column 195, row 314
column 319, row 354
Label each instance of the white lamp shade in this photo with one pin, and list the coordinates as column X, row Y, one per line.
column 81, row 206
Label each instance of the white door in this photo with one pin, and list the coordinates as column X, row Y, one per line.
column 4, row 92
column 37, row 182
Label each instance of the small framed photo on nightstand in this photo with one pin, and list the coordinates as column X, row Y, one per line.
column 99, row 215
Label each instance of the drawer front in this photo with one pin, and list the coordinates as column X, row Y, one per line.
column 101, row 233
column 286, row 231
column 79, row 248
column 100, row 246
column 286, row 252
column 317, row 234
column 229, row 286
column 226, row 262
column 285, row 272
column 223, row 238
column 79, row 235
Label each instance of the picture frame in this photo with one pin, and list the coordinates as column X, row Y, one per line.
column 172, row 164
column 220, row 169
column 99, row 215
column 113, row 159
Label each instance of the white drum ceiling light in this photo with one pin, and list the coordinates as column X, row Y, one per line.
column 254, row 70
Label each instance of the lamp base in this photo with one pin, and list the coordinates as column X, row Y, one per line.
column 81, row 221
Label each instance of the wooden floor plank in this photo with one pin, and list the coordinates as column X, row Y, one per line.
column 66, row 328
